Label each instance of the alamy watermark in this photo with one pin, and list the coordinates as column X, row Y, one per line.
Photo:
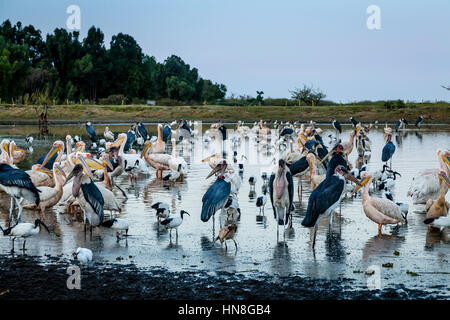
column 73, row 22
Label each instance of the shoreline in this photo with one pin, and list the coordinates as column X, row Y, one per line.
column 27, row 278
column 436, row 114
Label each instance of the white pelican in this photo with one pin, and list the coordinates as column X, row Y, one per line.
column 315, row 179
column 108, row 134
column 439, row 207
column 159, row 161
column 425, row 185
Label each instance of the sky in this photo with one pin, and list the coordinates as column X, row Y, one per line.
column 277, row 45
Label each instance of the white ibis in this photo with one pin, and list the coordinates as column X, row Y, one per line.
column 16, row 183
column 117, row 224
column 325, row 198
column 87, row 193
column 23, row 230
column 438, row 222
column 162, row 210
column 281, row 189
column 174, row 223
column 83, row 255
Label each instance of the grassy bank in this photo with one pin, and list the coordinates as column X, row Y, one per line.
column 21, row 114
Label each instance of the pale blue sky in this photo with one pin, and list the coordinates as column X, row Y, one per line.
column 274, row 45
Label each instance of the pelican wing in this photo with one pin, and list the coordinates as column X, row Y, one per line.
column 215, row 198
column 323, row 197
column 387, row 208
column 94, row 197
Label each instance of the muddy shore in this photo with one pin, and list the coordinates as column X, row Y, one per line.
column 28, row 278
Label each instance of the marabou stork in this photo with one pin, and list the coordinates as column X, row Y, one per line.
column 87, row 193
column 299, row 167
column 91, row 132
column 185, row 130
column 419, row 121
column 354, row 122
column 142, row 131
column 23, row 230
column 337, row 126
column 131, row 136
column 217, row 194
column 166, row 133
column 388, row 150
column 281, row 190
column 16, row 183
column 325, row 198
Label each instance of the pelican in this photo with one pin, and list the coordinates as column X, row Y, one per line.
column 315, row 178
column 348, row 145
column 281, row 190
column 176, row 163
column 241, row 129
column 16, row 183
column 217, row 194
column 214, row 160
column 425, row 185
column 174, row 222
column 91, row 132
column 50, row 196
column 159, row 161
column 120, row 155
column 108, row 134
column 325, row 198
column 379, row 210
column 23, row 230
column 87, row 193
column 18, row 155
column 439, row 207
column 40, row 173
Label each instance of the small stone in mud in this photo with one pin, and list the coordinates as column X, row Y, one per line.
column 370, row 272
column 387, row 265
column 119, row 258
column 396, row 253
column 256, row 263
column 412, row 273
column 357, row 271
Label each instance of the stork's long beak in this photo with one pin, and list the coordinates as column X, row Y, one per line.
column 444, row 178
column 50, row 154
column 69, row 177
column 87, row 169
column 144, row 152
column 361, row 184
column 326, row 157
column 43, row 224
column 216, row 169
column 350, row 177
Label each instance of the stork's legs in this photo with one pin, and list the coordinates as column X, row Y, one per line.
column 331, row 223
column 19, row 205
column 235, row 244
column 11, row 208
column 24, row 241
column 315, row 234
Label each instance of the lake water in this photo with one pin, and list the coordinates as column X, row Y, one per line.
column 354, row 244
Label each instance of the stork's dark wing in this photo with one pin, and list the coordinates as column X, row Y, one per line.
column 215, row 198
column 130, row 140
column 298, row 166
column 12, row 177
column 91, row 133
column 338, row 126
column 142, row 131
column 397, row 125
column 166, row 133
column 418, row 120
column 271, row 180
column 94, row 197
column 388, row 151
column 324, row 196
column 290, row 189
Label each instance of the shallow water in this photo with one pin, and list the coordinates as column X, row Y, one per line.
column 353, row 246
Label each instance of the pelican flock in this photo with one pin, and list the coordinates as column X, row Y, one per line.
column 86, row 177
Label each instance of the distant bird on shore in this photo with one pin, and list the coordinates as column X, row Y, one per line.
column 336, row 125
column 83, row 255
column 388, row 150
column 354, row 122
column 419, row 121
column 91, row 132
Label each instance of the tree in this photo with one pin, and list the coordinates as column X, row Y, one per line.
column 308, row 95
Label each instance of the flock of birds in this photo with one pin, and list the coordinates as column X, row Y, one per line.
column 85, row 181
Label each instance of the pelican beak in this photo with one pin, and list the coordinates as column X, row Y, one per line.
column 446, row 160
column 107, row 163
column 206, row 159
column 147, row 147
column 350, row 177
column 60, row 170
column 215, row 170
column 444, row 178
column 118, row 142
column 87, row 169
column 50, row 154
column 79, row 146
column 45, row 170
column 360, row 185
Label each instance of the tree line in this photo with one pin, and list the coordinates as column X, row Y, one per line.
column 63, row 68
